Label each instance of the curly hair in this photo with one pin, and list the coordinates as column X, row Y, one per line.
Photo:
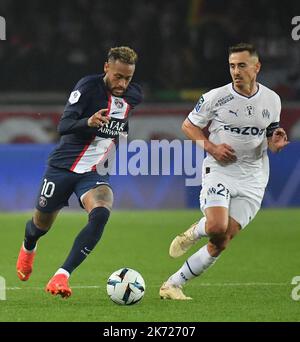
column 122, row 53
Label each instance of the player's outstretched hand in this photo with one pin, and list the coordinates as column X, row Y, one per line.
column 224, row 153
column 279, row 139
column 99, row 119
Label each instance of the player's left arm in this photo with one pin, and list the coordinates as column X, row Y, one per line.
column 276, row 135
column 278, row 140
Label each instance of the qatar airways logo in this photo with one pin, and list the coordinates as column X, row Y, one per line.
column 113, row 128
column 2, row 28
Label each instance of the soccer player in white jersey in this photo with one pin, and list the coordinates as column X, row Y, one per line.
column 244, row 121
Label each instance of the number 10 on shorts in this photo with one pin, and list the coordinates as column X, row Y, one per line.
column 48, row 189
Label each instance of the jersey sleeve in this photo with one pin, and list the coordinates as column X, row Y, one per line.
column 134, row 95
column 79, row 97
column 202, row 112
column 70, row 123
column 276, row 117
column 72, row 120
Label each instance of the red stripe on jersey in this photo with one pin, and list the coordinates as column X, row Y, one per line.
column 127, row 110
column 109, row 103
column 81, row 154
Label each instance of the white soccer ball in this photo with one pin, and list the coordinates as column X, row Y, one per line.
column 125, row 286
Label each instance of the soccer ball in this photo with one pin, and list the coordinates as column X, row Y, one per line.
column 125, row 286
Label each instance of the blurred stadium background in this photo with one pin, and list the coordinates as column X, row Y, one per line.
column 182, row 47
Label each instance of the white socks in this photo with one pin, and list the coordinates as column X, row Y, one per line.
column 199, row 230
column 62, row 271
column 193, row 267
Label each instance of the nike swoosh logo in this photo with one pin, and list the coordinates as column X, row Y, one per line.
column 232, row 112
column 115, row 113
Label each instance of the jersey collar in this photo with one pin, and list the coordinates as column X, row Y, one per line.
column 244, row 96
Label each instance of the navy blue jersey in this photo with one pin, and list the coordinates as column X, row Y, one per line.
column 82, row 147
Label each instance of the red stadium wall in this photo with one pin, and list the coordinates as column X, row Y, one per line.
column 153, row 121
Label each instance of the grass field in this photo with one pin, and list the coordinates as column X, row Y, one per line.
column 250, row 282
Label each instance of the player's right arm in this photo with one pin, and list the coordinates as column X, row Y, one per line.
column 196, row 121
column 223, row 153
column 73, row 119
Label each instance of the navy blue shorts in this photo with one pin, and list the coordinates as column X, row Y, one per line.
column 59, row 184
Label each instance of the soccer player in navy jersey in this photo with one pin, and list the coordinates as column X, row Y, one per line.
column 96, row 113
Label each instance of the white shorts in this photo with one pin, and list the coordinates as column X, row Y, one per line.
column 240, row 195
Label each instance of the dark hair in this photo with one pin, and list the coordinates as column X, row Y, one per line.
column 243, row 47
column 122, row 53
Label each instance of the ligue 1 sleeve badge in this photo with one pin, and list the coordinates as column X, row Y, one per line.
column 74, row 96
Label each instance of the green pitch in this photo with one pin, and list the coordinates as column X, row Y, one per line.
column 250, row 282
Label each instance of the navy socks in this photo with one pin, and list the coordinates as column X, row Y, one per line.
column 32, row 234
column 87, row 239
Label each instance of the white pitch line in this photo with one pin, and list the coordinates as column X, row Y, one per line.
column 243, row 284
column 155, row 286
column 42, row 288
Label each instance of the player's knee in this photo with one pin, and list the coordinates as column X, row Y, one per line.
column 104, row 204
column 220, row 242
column 101, row 197
column 222, row 245
column 215, row 227
column 42, row 221
column 217, row 246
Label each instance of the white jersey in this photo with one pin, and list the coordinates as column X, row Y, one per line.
column 242, row 122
